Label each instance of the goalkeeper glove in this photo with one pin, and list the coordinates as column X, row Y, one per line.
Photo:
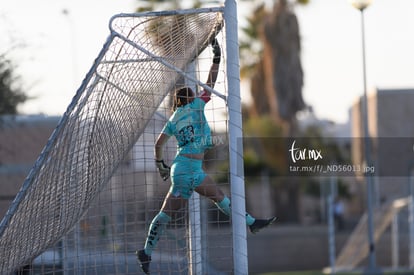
column 216, row 51
column 163, row 169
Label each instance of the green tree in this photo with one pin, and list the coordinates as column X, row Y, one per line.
column 11, row 92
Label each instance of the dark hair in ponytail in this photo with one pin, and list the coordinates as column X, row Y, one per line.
column 182, row 97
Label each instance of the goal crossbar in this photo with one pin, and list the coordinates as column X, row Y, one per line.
column 172, row 67
column 160, row 59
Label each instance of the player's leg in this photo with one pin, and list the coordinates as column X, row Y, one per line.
column 170, row 205
column 157, row 227
column 209, row 189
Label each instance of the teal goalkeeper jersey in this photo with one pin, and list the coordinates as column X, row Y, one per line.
column 189, row 126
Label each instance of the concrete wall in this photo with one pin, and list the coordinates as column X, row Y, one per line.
column 390, row 115
column 22, row 139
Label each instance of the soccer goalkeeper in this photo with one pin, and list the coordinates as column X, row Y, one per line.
column 189, row 126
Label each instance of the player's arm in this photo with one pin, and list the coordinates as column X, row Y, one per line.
column 212, row 75
column 159, row 146
column 163, row 169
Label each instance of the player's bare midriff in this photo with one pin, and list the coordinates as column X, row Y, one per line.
column 199, row 156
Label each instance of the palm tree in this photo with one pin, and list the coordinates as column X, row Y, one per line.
column 282, row 45
column 271, row 45
column 276, row 76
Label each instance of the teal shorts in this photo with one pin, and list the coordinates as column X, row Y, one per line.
column 186, row 175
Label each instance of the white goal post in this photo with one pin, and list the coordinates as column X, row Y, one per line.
column 240, row 259
column 143, row 59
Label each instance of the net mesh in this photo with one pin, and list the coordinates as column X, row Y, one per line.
column 140, row 63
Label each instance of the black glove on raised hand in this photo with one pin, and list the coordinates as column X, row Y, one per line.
column 163, row 169
column 216, row 51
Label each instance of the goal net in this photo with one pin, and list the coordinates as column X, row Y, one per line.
column 87, row 203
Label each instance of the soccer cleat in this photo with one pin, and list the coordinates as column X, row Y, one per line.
column 259, row 224
column 144, row 260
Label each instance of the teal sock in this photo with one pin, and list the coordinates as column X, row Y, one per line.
column 249, row 219
column 156, row 229
column 225, row 207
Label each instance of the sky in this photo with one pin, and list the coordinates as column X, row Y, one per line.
column 61, row 39
column 332, row 52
